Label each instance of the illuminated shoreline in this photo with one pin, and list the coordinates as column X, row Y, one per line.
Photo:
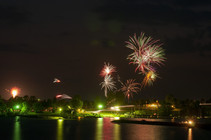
column 165, row 123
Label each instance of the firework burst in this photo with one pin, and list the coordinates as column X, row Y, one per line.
column 108, row 84
column 146, row 53
column 15, row 92
column 130, row 87
column 107, row 70
column 149, row 78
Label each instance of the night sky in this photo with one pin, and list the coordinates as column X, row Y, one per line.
column 71, row 40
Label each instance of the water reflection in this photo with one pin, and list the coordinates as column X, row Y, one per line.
column 99, row 127
column 60, row 129
column 116, row 132
column 190, row 134
column 17, row 129
column 107, row 130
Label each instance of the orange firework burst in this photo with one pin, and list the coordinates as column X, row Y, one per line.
column 15, row 91
column 149, row 78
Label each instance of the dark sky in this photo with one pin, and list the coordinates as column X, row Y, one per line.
column 71, row 40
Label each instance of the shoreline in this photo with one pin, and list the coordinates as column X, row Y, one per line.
column 206, row 124
column 164, row 123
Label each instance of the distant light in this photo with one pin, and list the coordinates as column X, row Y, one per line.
column 190, row 122
column 60, row 109
column 152, row 105
column 17, row 106
column 116, row 107
column 100, row 106
column 60, row 119
column 116, row 118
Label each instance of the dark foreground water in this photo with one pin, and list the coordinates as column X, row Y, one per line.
column 93, row 129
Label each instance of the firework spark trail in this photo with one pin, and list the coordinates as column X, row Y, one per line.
column 146, row 53
column 108, row 84
column 130, row 87
column 118, row 78
column 107, row 70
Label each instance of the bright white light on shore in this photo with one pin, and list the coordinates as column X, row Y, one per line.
column 153, row 105
column 17, row 106
column 116, row 108
column 116, row 118
column 190, row 122
column 100, row 106
column 60, row 119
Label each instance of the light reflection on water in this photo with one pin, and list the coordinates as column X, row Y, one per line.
column 190, row 134
column 17, row 129
column 97, row 129
column 60, row 129
column 107, row 130
column 117, row 132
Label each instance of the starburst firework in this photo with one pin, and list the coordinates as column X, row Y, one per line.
column 130, row 87
column 107, row 69
column 108, row 84
column 146, row 53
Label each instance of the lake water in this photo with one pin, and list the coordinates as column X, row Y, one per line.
column 93, row 129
